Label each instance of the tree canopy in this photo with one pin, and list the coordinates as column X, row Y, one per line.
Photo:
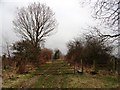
column 35, row 23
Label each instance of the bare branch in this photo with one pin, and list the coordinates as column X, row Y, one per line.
column 35, row 22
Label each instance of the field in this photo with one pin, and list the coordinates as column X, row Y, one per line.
column 58, row 74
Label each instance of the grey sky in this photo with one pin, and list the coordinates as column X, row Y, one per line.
column 70, row 16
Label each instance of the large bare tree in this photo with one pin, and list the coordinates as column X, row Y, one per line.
column 108, row 12
column 35, row 23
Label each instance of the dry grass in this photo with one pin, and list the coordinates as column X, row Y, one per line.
column 74, row 80
column 49, row 80
column 89, row 81
column 78, row 81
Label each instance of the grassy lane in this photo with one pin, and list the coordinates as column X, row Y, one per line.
column 61, row 75
column 20, row 80
column 58, row 74
column 54, row 77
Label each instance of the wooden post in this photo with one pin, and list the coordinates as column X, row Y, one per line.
column 95, row 66
column 74, row 66
column 82, row 65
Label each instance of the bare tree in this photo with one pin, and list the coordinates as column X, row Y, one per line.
column 108, row 11
column 35, row 23
column 6, row 47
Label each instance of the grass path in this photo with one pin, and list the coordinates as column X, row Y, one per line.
column 58, row 74
column 61, row 75
column 24, row 80
column 29, row 82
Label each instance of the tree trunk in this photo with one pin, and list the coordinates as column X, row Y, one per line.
column 119, row 43
column 21, row 67
column 118, row 69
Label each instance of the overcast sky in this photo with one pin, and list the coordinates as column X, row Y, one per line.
column 71, row 18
